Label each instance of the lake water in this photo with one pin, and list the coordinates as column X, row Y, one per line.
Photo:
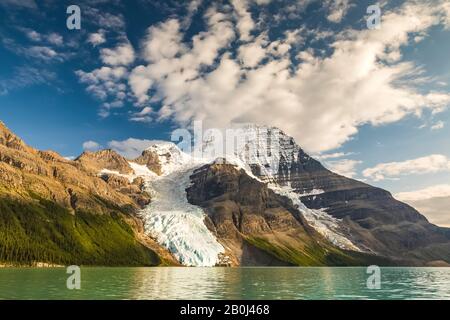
column 225, row 283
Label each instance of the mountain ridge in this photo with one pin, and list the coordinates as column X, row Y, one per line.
column 281, row 208
column 54, row 211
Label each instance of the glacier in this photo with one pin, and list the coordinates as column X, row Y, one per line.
column 169, row 218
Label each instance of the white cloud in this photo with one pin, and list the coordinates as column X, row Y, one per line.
column 332, row 155
column 429, row 164
column 163, row 41
column 337, row 9
column 123, row 54
column 130, row 148
column 438, row 125
column 42, row 53
column 143, row 115
column 104, row 19
column 106, row 83
column 91, row 146
column 441, row 190
column 262, row 2
column 55, row 39
column 97, row 38
column 251, row 54
column 171, row 65
column 446, row 17
column 322, row 101
column 140, row 82
column 33, row 35
column 245, row 22
column 344, row 167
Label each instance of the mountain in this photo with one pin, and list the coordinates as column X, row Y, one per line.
column 265, row 203
column 58, row 211
column 298, row 213
column 370, row 218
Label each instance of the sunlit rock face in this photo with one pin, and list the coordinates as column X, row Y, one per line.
column 350, row 214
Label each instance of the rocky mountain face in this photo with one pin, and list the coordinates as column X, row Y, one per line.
column 60, row 211
column 258, row 206
column 258, row 226
column 369, row 217
column 94, row 162
column 150, row 159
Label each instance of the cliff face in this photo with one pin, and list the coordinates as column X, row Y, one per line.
column 371, row 218
column 259, row 227
column 56, row 210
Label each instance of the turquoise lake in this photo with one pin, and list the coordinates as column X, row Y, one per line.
column 225, row 283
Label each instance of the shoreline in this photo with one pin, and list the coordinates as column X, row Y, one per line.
column 37, row 265
column 42, row 265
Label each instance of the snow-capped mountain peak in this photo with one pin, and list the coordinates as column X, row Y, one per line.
column 265, row 153
column 170, row 157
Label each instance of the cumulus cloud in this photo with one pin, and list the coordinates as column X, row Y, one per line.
column 91, row 146
column 441, row 190
column 55, row 39
column 33, row 35
column 344, row 167
column 337, row 9
column 429, row 164
column 97, row 38
column 43, row 53
column 106, row 84
column 321, row 100
column 51, row 38
column 245, row 22
column 143, row 116
column 251, row 54
column 123, row 55
column 130, row 148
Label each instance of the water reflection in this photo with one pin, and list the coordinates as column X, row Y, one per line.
column 226, row 283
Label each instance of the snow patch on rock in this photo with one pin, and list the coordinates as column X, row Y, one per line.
column 319, row 219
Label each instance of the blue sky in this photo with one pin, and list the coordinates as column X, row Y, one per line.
column 371, row 104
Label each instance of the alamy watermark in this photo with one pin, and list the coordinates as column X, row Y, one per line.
column 253, row 145
column 73, row 22
column 374, row 280
column 374, row 18
column 74, row 280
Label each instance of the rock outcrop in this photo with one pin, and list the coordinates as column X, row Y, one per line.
column 104, row 159
column 150, row 159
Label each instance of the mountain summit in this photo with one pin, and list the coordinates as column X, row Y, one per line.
column 265, row 202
